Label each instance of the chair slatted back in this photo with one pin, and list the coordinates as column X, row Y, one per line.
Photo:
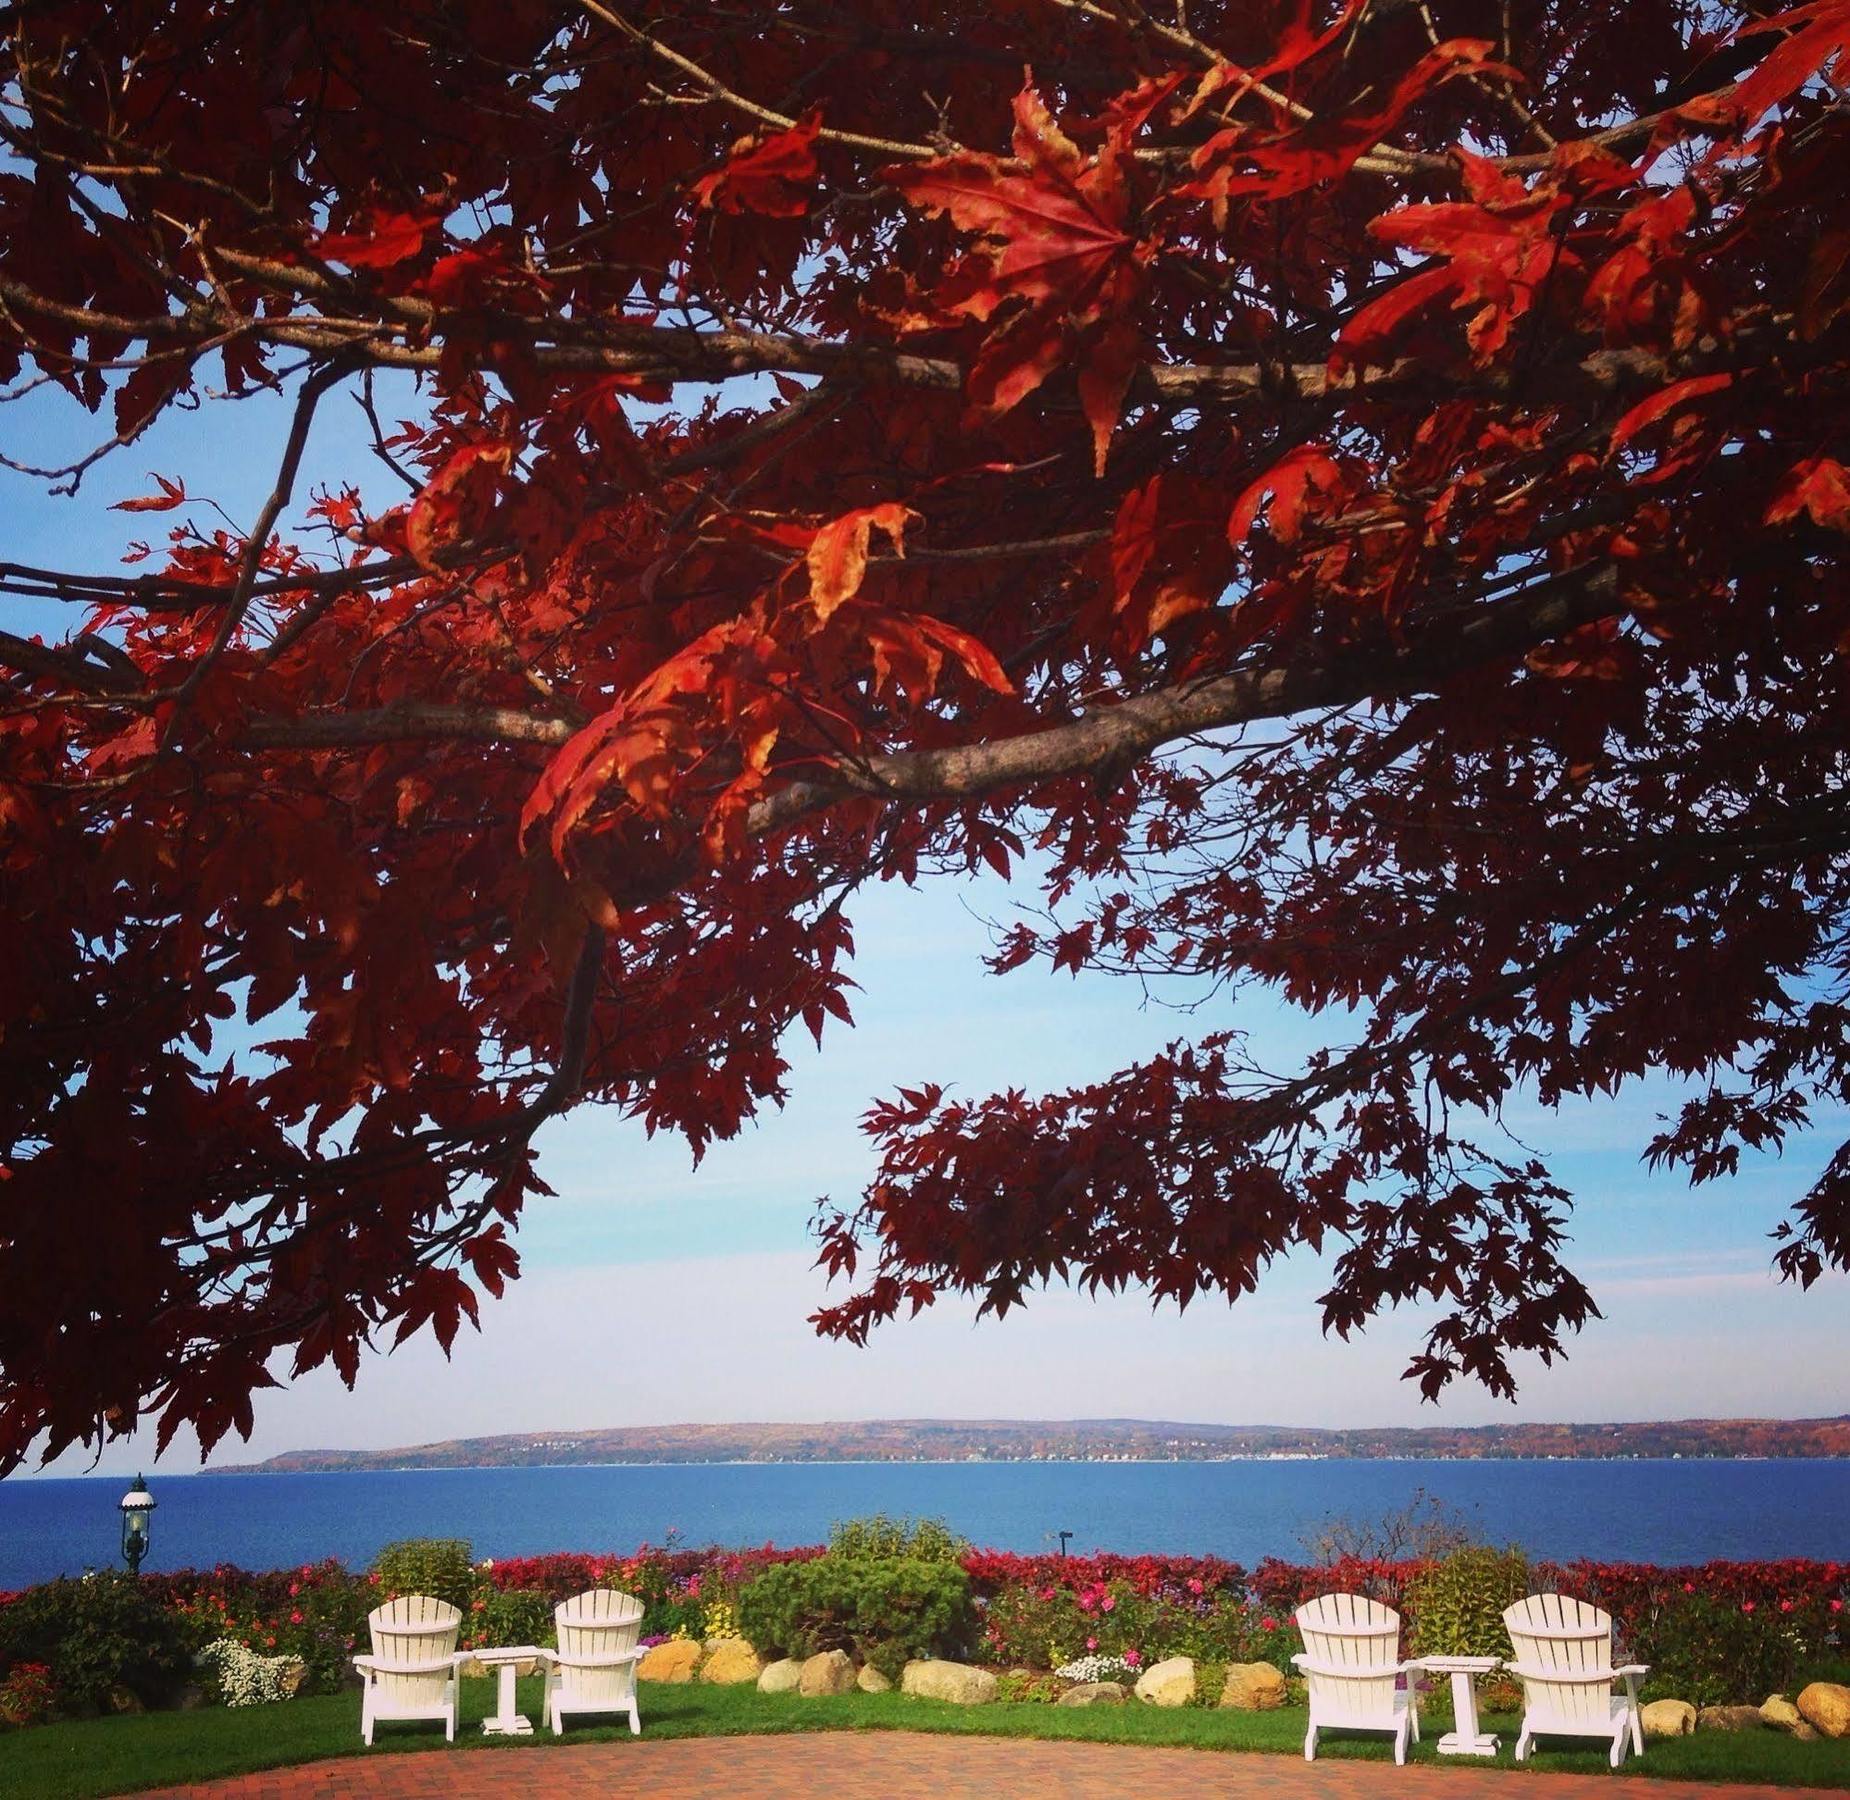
column 1354, row 1633
column 1551, row 1631
column 601, row 1622
column 413, row 1630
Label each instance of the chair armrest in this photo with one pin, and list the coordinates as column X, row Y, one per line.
column 1312, row 1666
column 1633, row 1671
column 1572, row 1677
column 378, row 1665
column 615, row 1659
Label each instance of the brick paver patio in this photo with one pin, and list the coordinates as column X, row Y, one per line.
column 899, row 1765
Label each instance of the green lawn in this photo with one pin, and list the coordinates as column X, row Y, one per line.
column 117, row 1756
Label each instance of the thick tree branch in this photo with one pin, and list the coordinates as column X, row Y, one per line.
column 1108, row 737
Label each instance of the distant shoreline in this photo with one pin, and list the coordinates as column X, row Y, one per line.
column 949, row 1462
column 1097, row 1442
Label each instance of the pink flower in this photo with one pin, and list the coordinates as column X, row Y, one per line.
column 1689, row 1587
column 1785, row 1606
column 1133, row 1659
column 1837, row 1606
column 295, row 1587
column 1194, row 1584
column 1747, row 1606
column 1268, row 1623
column 1091, row 1643
column 1106, row 1604
column 295, row 1618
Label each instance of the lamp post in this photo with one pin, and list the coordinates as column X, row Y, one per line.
column 137, row 1504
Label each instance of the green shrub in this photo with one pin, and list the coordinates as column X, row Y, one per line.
column 440, row 1567
column 1457, row 1604
column 507, row 1616
column 1210, row 1683
column 1712, row 1650
column 1025, row 1687
column 881, row 1610
column 97, row 1634
column 920, row 1540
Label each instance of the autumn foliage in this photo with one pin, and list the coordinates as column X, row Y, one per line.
column 1344, row 497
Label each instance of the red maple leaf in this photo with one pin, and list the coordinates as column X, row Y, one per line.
column 380, row 238
column 774, row 173
column 1062, row 264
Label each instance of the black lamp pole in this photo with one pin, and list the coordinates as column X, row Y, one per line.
column 137, row 1504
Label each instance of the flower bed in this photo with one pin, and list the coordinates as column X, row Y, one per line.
column 1717, row 1631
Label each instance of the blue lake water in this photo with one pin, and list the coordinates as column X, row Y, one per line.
column 1667, row 1512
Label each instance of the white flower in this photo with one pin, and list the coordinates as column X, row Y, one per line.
column 244, row 1677
column 1095, row 1668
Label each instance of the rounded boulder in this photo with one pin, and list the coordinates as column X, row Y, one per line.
column 673, row 1662
column 956, row 1682
column 1170, row 1682
column 1826, row 1705
column 1252, row 1687
column 1095, row 1693
column 781, row 1677
column 1728, row 1718
column 827, row 1672
column 731, row 1662
column 1667, row 1718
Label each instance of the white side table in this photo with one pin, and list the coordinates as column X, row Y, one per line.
column 1464, row 1739
column 506, row 1661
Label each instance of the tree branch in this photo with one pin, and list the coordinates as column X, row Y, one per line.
column 1106, row 737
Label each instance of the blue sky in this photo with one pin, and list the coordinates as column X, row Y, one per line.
column 654, row 1292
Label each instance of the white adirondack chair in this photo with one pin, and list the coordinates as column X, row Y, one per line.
column 1564, row 1661
column 411, row 1673
column 594, row 1668
column 1351, row 1660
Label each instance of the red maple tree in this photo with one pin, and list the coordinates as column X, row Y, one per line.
column 1351, row 496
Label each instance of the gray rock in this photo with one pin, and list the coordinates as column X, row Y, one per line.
column 1252, row 1687
column 1728, row 1718
column 1095, row 1693
column 1170, row 1682
column 1667, row 1718
column 1826, row 1704
column 871, row 1681
column 827, row 1672
column 781, row 1677
column 956, row 1682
